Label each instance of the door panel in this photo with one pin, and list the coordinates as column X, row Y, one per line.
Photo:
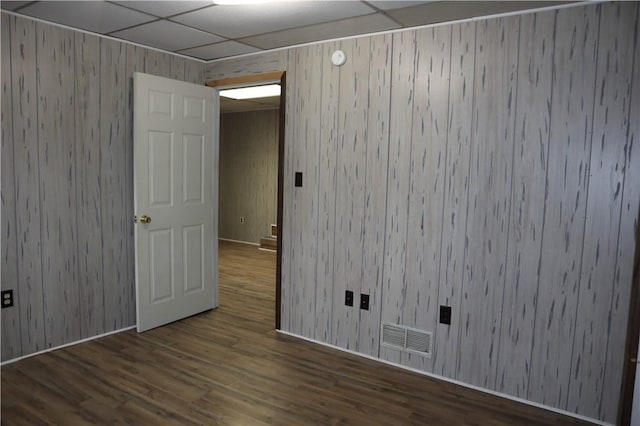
column 193, row 240
column 162, row 281
column 160, row 168
column 193, row 169
column 174, row 169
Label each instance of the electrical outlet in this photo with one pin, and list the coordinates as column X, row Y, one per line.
column 241, row 219
column 364, row 302
column 7, row 298
column 348, row 298
column 445, row 315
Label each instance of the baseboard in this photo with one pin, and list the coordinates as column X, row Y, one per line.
column 270, row 250
column 240, row 242
column 77, row 342
column 446, row 379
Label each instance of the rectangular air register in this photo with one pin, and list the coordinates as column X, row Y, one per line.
column 407, row 339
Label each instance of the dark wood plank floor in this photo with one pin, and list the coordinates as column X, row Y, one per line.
column 229, row 367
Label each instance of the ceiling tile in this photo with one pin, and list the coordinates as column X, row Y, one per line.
column 167, row 35
column 245, row 20
column 12, row 5
column 97, row 16
column 165, row 8
column 442, row 11
column 347, row 27
column 390, row 4
column 220, row 50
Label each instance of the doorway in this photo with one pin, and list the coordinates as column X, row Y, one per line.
column 261, row 80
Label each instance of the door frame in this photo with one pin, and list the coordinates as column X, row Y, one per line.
column 255, row 80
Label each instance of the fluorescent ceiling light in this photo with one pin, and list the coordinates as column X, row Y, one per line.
column 252, row 92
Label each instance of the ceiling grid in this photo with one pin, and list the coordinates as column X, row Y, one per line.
column 208, row 31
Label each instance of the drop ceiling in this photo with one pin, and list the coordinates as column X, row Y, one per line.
column 207, row 31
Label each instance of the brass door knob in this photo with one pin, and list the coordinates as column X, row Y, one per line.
column 145, row 219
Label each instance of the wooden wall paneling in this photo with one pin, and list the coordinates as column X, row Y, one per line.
column 459, row 128
column 177, row 67
column 262, row 202
column 426, row 188
column 489, row 199
column 533, row 118
column 375, row 190
column 88, row 190
column 288, row 190
column 563, row 232
column 264, row 143
column 244, row 157
column 270, row 156
column 194, row 72
column 165, row 62
column 327, row 158
column 604, row 202
column 246, row 65
column 117, row 187
column 269, row 195
column 400, row 123
column 296, row 310
column 295, row 304
column 248, row 174
column 351, row 152
column 626, row 244
column 305, row 222
column 225, row 171
column 236, row 161
column 56, row 103
column 11, row 338
column 241, row 158
column 153, row 63
column 29, row 294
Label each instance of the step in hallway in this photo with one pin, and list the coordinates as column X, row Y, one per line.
column 229, row 367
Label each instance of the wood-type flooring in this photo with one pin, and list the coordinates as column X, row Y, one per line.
column 230, row 367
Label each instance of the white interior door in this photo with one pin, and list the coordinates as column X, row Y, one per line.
column 174, row 200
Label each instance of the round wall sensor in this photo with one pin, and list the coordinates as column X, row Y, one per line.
column 338, row 58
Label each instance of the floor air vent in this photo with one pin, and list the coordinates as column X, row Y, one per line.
column 407, row 339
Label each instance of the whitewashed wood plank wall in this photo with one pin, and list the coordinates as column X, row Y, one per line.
column 29, row 291
column 67, row 181
column 531, row 155
column 326, row 196
column 426, row 183
column 526, row 128
column 11, row 341
column 563, row 235
column 377, row 156
column 461, row 87
column 490, row 175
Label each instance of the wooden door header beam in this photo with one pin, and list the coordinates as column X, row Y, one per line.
column 256, row 78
